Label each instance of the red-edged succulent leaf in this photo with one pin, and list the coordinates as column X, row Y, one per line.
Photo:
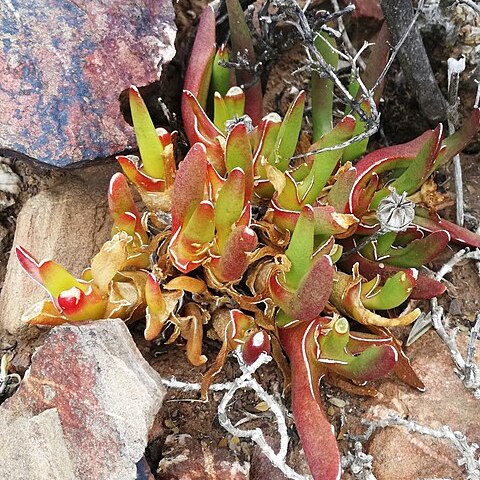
column 229, row 205
column 419, row 169
column 382, row 336
column 235, row 102
column 76, row 300
column 327, row 221
column 255, row 345
column 120, row 198
column 340, row 192
column 242, row 43
column 346, row 297
column 324, row 162
column 268, row 128
column 150, row 146
column 322, row 88
column 302, row 292
column 392, row 293
column 238, row 154
column 189, row 246
column 234, row 260
column 370, row 363
column 135, row 174
column 309, row 299
column 459, row 140
column 287, row 138
column 189, row 186
column 431, row 222
column 418, row 252
column 123, row 209
column 203, row 124
column 425, row 287
column 382, row 160
column 205, row 132
column 79, row 306
column 197, row 77
column 154, row 316
column 52, row 276
column 316, row 433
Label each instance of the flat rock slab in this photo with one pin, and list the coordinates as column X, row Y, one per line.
column 63, row 65
column 400, row 455
column 84, row 409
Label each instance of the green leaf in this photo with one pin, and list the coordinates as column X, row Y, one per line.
column 151, row 149
column 395, row 291
column 238, row 154
column 324, row 163
column 235, row 103
column 300, row 249
column 229, row 205
column 322, row 88
column 220, row 74
column 288, row 135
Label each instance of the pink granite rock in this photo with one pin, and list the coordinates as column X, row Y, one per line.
column 63, row 65
column 399, row 455
column 88, row 396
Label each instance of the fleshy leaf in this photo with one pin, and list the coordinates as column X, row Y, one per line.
column 316, row 433
column 189, row 186
column 308, row 301
column 151, row 149
column 418, row 252
column 229, row 205
column 238, row 154
column 220, row 73
column 425, row 287
column 431, row 222
column 52, row 276
column 300, row 249
column 393, row 293
column 234, row 260
column 288, row 134
column 235, row 103
column 346, row 297
column 325, row 162
column 322, row 88
column 256, row 344
column 197, row 77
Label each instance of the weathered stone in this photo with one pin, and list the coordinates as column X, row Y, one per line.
column 407, row 456
column 68, row 223
column 87, row 402
column 63, row 65
column 185, row 458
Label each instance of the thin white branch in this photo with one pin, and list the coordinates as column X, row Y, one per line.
column 346, row 39
column 246, row 380
column 455, row 69
column 468, row 452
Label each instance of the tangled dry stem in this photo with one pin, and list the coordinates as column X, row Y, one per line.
column 468, row 451
column 247, row 381
column 466, row 367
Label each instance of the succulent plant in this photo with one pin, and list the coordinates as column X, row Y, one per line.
column 314, row 254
